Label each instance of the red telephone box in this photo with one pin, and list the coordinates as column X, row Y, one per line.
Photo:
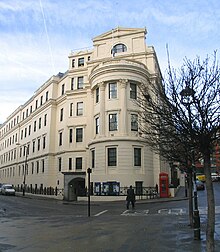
column 164, row 185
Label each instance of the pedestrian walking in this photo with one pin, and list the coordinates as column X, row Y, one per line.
column 130, row 197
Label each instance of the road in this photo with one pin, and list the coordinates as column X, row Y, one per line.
column 38, row 225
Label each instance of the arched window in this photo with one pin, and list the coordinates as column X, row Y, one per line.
column 119, row 48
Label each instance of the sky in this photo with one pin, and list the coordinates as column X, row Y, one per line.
column 36, row 36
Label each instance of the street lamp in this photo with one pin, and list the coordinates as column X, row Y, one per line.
column 25, row 167
column 186, row 98
column 89, row 171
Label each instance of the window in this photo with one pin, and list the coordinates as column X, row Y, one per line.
column 59, row 164
column 80, row 83
column 29, row 130
column 112, row 91
column 113, row 122
column 70, row 163
column 137, row 156
column 73, row 63
column 41, row 100
column 32, row 167
column 37, row 166
column 81, row 62
column 33, row 147
column 61, row 115
column 79, row 134
column 38, row 144
column 71, row 109
column 31, row 109
column 97, row 125
column 119, row 48
column 79, row 110
column 47, row 96
column 93, row 158
column 134, row 122
column 36, row 104
column 72, row 84
column 112, row 156
column 35, row 125
column 39, row 123
column 43, row 166
column 44, row 142
column 71, row 135
column 60, row 138
column 78, row 163
column 133, row 91
column 97, row 95
column 63, row 89
column 45, row 120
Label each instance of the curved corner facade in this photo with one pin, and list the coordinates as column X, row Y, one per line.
column 85, row 118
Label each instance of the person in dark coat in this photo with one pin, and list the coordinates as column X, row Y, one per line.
column 130, row 197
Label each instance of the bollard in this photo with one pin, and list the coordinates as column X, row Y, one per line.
column 196, row 225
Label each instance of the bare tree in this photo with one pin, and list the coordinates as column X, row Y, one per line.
column 180, row 119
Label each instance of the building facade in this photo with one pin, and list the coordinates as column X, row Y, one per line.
column 86, row 118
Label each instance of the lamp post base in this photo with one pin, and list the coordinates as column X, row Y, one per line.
column 196, row 218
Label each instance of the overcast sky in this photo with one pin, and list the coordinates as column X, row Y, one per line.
column 36, row 36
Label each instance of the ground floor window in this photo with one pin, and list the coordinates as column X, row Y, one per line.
column 78, row 163
column 137, row 156
column 112, row 156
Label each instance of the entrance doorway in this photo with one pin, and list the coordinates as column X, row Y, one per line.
column 74, row 185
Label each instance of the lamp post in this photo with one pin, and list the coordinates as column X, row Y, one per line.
column 25, row 168
column 186, row 98
column 89, row 171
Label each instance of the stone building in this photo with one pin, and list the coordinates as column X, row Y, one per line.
column 86, row 118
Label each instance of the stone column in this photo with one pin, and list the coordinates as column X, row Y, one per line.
column 123, row 101
column 102, row 108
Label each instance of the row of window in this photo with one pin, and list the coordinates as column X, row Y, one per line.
column 24, row 132
column 79, row 84
column 113, row 91
column 79, row 110
column 34, row 168
column 78, row 163
column 37, row 145
column 81, row 61
column 118, row 48
column 39, row 166
column 25, row 114
column 113, row 122
column 112, row 157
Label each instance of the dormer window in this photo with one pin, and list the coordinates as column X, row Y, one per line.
column 119, row 48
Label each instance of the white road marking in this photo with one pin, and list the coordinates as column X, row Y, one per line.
column 135, row 212
column 101, row 213
column 164, row 211
column 204, row 210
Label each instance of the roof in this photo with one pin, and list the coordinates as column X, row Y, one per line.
column 118, row 32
